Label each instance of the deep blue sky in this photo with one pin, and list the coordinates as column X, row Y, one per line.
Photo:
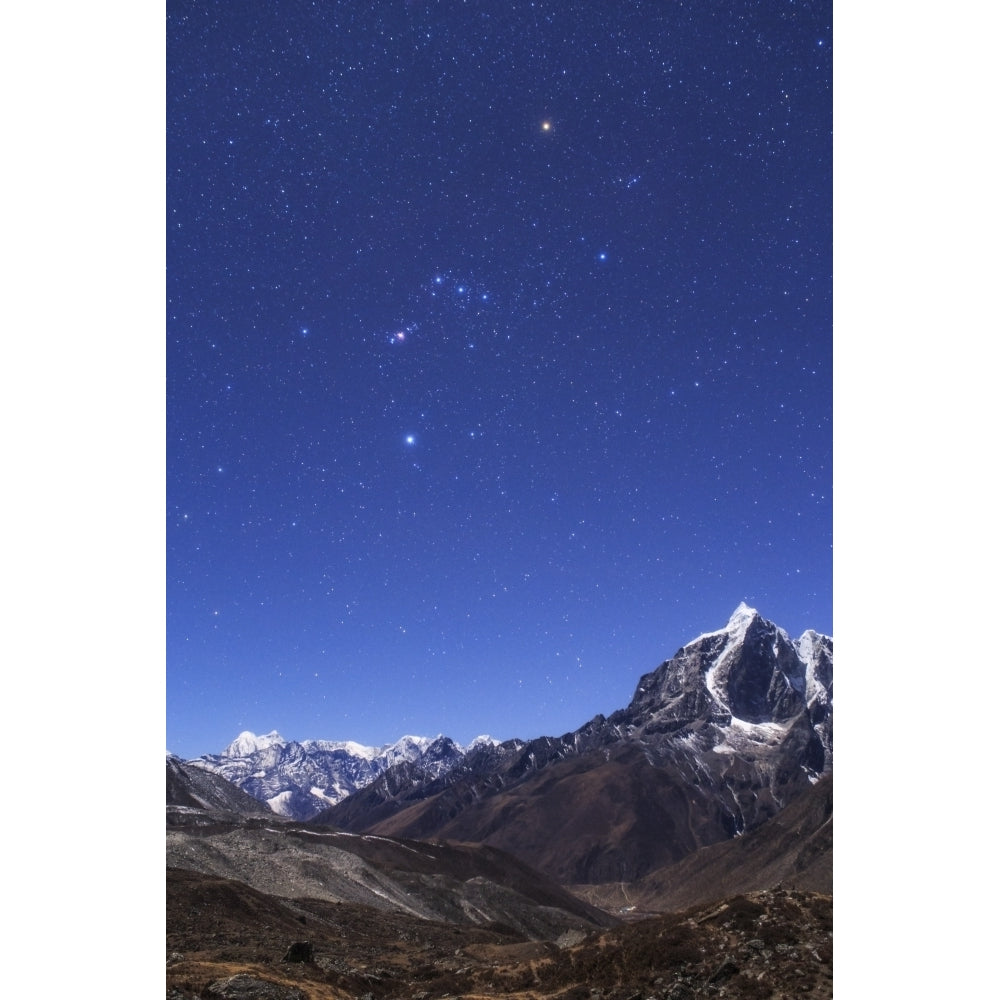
column 498, row 355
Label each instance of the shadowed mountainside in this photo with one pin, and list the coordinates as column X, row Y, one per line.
column 193, row 789
column 793, row 849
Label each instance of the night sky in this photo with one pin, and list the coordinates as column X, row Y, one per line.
column 499, row 347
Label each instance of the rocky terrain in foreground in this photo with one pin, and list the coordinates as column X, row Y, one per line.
column 225, row 939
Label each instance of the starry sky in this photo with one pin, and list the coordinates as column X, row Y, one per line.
column 499, row 355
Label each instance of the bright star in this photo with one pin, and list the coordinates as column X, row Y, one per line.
column 411, row 439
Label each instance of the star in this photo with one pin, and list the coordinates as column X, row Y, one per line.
column 472, row 290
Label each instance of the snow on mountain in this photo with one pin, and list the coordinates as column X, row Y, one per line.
column 192, row 788
column 354, row 749
column 481, row 741
column 736, row 626
column 247, row 743
column 299, row 779
column 745, row 689
column 405, row 748
column 745, row 686
column 715, row 742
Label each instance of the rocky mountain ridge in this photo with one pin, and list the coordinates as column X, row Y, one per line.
column 194, row 790
column 716, row 741
column 300, row 779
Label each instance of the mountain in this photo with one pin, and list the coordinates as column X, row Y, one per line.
column 247, row 743
column 300, row 779
column 479, row 870
column 715, row 742
column 192, row 790
column 792, row 850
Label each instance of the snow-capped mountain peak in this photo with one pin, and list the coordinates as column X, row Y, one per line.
column 739, row 621
column 406, row 748
column 741, row 618
column 748, row 674
column 481, row 741
column 299, row 779
column 348, row 746
column 247, row 743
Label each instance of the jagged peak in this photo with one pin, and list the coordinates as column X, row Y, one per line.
column 739, row 622
column 741, row 617
column 440, row 741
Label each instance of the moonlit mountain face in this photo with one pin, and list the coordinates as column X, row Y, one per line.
column 746, row 687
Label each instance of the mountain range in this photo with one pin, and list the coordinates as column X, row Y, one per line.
column 715, row 741
column 300, row 779
column 712, row 790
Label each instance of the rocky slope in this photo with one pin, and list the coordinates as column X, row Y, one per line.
column 460, row 884
column 793, row 850
column 194, row 791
